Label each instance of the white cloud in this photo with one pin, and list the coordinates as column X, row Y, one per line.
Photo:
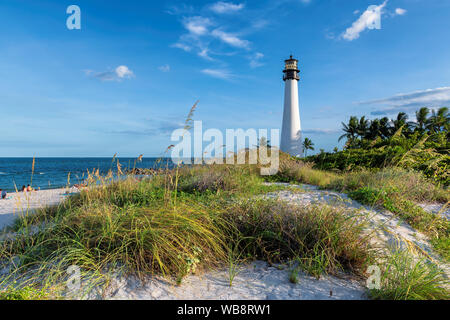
column 182, row 46
column 119, row 73
column 409, row 102
column 370, row 19
column 218, row 73
column 124, row 72
column 204, row 54
column 226, row 7
column 400, row 11
column 255, row 60
column 230, row 39
column 197, row 25
column 164, row 68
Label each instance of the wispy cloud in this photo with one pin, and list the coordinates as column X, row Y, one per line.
column 230, row 39
column 255, row 60
column 321, row 131
column 180, row 9
column 163, row 127
column 400, row 11
column 205, row 33
column 222, row 7
column 182, row 46
column 218, row 73
column 369, row 19
column 118, row 74
column 409, row 102
column 164, row 68
column 197, row 25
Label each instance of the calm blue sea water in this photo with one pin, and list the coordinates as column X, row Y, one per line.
column 52, row 172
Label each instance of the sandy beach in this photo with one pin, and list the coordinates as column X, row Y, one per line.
column 19, row 203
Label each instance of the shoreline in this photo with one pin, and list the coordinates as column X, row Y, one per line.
column 18, row 203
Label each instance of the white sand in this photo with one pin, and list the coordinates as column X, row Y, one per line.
column 19, row 203
column 437, row 208
column 255, row 281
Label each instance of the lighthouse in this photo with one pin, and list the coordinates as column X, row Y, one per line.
column 291, row 137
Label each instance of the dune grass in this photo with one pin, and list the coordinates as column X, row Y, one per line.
column 323, row 239
column 404, row 277
column 395, row 189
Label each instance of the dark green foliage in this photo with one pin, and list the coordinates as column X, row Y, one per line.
column 422, row 145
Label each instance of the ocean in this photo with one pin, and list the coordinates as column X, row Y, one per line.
column 52, row 173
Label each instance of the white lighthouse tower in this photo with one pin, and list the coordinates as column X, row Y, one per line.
column 291, row 136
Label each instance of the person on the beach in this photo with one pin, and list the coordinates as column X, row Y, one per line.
column 29, row 188
column 24, row 189
column 3, row 193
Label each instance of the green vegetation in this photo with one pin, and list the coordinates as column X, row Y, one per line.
column 406, row 278
column 307, row 145
column 395, row 189
column 393, row 164
column 422, row 145
column 181, row 221
column 25, row 293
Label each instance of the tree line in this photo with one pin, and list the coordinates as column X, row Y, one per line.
column 427, row 122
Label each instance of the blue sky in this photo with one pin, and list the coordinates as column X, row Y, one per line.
column 130, row 75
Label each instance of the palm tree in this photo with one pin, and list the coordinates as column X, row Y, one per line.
column 438, row 120
column 350, row 129
column 363, row 127
column 385, row 128
column 400, row 121
column 307, row 145
column 421, row 119
column 374, row 130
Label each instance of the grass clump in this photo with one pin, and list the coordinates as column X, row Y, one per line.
column 230, row 179
column 322, row 239
column 97, row 230
column 294, row 170
column 404, row 277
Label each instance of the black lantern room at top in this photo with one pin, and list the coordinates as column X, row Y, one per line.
column 291, row 69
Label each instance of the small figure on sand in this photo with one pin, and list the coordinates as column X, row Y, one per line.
column 80, row 186
column 3, row 194
column 24, row 189
column 29, row 188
